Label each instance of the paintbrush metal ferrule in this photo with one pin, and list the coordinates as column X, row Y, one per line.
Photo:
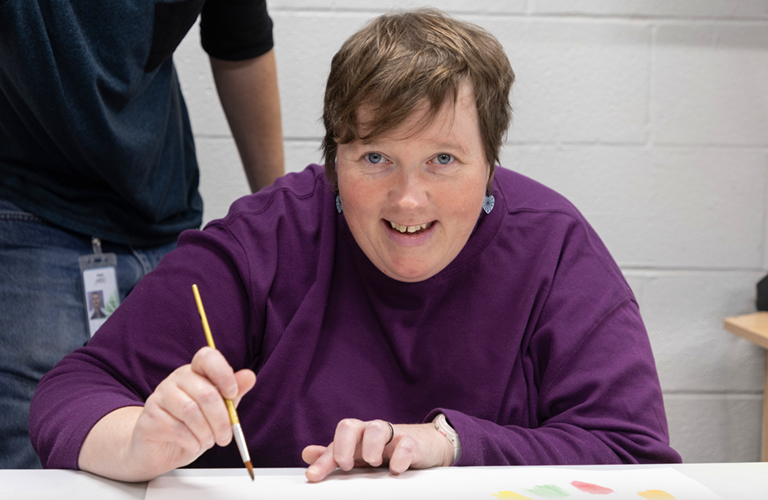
column 237, row 430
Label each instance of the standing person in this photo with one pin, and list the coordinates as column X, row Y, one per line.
column 97, row 162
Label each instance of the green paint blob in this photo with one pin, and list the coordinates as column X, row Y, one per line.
column 549, row 491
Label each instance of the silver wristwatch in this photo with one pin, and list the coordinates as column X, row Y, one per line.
column 444, row 428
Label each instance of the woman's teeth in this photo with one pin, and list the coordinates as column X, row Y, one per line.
column 407, row 229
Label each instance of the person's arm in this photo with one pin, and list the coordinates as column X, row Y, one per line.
column 598, row 402
column 249, row 96
column 86, row 412
column 182, row 418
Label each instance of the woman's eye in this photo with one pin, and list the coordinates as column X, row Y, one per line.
column 374, row 157
column 443, row 158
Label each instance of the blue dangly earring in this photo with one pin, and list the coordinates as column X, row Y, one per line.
column 488, row 203
column 338, row 203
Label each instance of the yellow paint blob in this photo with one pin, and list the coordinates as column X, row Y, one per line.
column 510, row 495
column 655, row 495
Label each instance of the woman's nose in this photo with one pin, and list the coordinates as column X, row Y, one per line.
column 409, row 192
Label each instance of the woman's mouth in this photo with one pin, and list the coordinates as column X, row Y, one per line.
column 416, row 229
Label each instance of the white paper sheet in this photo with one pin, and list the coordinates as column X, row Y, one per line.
column 461, row 483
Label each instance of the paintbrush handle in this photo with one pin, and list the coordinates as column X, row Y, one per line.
column 203, row 317
column 232, row 413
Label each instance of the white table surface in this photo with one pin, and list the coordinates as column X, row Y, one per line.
column 733, row 481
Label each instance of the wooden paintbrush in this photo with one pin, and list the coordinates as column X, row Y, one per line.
column 237, row 430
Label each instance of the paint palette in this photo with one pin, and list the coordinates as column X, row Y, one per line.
column 555, row 491
column 461, row 483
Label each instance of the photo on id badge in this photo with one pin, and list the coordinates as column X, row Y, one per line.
column 101, row 295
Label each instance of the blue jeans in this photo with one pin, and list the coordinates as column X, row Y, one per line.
column 42, row 312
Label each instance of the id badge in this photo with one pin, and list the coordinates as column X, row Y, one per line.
column 99, row 287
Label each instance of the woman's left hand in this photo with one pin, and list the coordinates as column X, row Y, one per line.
column 371, row 444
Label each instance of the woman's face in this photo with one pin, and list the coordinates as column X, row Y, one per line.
column 411, row 197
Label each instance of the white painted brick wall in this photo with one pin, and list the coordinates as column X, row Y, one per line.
column 660, row 207
column 709, row 84
column 650, row 115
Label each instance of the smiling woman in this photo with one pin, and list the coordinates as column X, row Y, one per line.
column 409, row 304
column 412, row 195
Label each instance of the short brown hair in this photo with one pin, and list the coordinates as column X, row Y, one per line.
column 397, row 61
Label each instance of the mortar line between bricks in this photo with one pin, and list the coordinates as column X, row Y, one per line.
column 557, row 145
column 545, row 16
column 566, row 16
column 715, row 394
column 689, row 270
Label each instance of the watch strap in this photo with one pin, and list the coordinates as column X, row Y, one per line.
column 444, row 428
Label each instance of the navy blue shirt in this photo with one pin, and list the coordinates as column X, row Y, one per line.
column 94, row 133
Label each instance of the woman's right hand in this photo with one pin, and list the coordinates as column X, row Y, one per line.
column 184, row 416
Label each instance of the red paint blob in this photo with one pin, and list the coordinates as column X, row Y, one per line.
column 590, row 488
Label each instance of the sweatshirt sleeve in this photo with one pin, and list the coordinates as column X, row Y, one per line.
column 594, row 393
column 155, row 330
column 602, row 405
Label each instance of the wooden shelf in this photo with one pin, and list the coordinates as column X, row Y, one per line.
column 753, row 327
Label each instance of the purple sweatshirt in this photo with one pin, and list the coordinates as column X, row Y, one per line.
column 530, row 341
